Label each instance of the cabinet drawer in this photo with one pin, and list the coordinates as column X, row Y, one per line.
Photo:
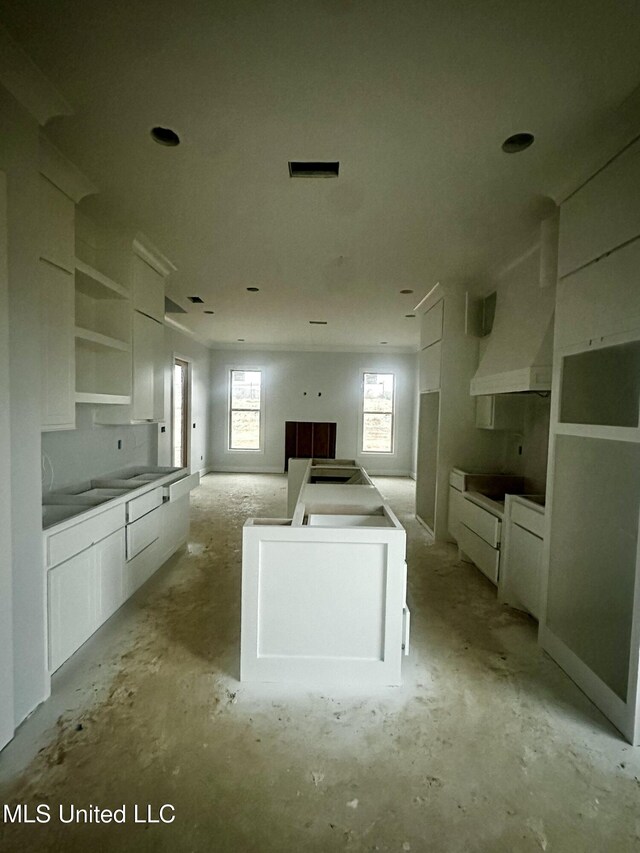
column 143, row 532
column 456, row 479
column 486, row 558
column 431, row 326
column 61, row 546
column 528, row 518
column 476, row 518
column 430, row 367
column 138, row 507
column 177, row 490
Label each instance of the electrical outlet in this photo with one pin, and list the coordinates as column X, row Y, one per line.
column 119, row 444
column 163, row 429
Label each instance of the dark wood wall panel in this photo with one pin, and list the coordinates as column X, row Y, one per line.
column 304, row 439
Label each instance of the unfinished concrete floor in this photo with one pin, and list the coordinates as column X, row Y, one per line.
column 487, row 746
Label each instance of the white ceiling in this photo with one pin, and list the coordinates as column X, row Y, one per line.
column 414, row 99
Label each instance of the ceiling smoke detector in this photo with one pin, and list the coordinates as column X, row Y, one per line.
column 518, row 142
column 313, row 169
column 165, row 136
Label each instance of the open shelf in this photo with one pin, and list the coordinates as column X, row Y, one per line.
column 112, row 399
column 601, row 387
column 97, row 341
column 95, row 284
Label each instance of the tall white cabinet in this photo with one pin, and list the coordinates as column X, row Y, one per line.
column 447, row 433
column 590, row 622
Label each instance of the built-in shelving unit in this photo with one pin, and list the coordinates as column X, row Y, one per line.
column 102, row 338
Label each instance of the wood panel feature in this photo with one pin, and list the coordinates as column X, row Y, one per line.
column 307, row 439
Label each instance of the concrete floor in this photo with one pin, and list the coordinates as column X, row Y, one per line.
column 487, row 746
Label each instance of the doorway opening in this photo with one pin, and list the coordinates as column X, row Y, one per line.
column 180, row 426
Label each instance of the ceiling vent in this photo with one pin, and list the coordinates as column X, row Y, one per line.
column 196, row 300
column 171, row 307
column 303, row 169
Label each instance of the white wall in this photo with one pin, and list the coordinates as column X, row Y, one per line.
column 337, row 376
column 6, row 615
column 178, row 345
column 19, row 159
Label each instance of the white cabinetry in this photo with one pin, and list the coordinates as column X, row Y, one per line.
column 479, row 537
column 148, row 290
column 590, row 618
column 57, row 226
column 61, row 186
column 521, row 563
column 148, row 379
column 103, row 338
column 109, row 554
column 72, row 606
column 58, row 353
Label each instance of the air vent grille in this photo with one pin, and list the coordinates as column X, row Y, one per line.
column 315, row 169
column 196, row 300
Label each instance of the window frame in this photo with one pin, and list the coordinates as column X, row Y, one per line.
column 231, row 410
column 364, row 412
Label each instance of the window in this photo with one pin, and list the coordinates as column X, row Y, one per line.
column 245, row 409
column 377, row 413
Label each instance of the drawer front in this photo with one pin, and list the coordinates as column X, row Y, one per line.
column 61, row 546
column 456, row 479
column 476, row 518
column 138, row 507
column 486, row 558
column 431, row 326
column 143, row 532
column 177, row 490
column 528, row 518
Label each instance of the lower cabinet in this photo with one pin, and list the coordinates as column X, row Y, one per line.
column 87, row 588
column 521, row 566
column 72, row 606
column 455, row 499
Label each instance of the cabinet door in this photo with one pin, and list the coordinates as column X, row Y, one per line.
column 144, row 352
column 430, row 368
column 525, row 554
column 148, row 290
column 110, row 572
column 161, row 366
column 72, row 606
column 58, row 347
column 57, row 226
column 455, row 497
column 431, row 325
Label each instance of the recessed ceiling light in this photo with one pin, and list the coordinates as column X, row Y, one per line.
column 208, row 312
column 409, row 315
column 165, row 136
column 317, row 322
column 195, row 299
column 517, row 142
column 406, row 291
column 253, row 289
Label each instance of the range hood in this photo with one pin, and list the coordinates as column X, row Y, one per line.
column 517, row 355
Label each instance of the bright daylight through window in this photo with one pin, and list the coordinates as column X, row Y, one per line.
column 245, row 400
column 377, row 413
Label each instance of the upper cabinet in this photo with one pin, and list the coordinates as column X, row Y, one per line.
column 57, row 226
column 148, row 289
column 62, row 185
column 603, row 214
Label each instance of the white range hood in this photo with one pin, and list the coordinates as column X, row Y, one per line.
column 518, row 354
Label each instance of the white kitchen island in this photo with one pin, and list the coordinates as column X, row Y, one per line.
column 324, row 592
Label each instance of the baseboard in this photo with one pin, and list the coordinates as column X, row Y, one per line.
column 426, row 527
column 413, row 475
